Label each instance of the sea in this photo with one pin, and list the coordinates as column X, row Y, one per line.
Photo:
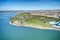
column 11, row 32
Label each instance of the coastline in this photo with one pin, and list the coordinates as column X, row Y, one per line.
column 37, row 27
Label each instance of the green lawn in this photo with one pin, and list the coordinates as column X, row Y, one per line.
column 37, row 22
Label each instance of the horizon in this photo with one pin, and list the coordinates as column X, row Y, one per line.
column 32, row 10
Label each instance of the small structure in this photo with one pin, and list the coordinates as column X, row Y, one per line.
column 16, row 22
column 51, row 22
column 11, row 21
column 57, row 23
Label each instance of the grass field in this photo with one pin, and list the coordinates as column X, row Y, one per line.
column 37, row 22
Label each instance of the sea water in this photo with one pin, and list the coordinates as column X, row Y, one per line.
column 10, row 32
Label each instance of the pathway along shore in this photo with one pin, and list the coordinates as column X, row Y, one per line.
column 49, row 28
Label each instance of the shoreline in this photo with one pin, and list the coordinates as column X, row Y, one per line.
column 37, row 27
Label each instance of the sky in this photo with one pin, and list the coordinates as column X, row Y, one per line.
column 29, row 4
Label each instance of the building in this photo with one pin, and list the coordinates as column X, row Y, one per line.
column 54, row 14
